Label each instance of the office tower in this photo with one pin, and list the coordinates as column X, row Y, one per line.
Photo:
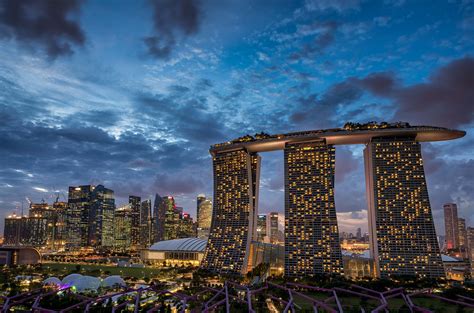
column 28, row 231
column 274, row 231
column 261, row 227
column 58, row 232
column 200, row 199
column 236, row 177
column 470, row 247
column 135, row 206
column 55, row 220
column 311, row 232
column 146, row 230
column 204, row 219
column 12, row 230
column 462, row 232
column 123, row 221
column 359, row 234
column 158, row 219
column 403, row 237
column 77, row 216
column 451, row 225
column 101, row 223
column 34, row 231
column 186, row 226
column 172, row 216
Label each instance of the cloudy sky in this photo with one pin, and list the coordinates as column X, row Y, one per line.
column 131, row 94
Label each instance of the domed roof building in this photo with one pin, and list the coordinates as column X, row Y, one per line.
column 113, row 281
column 87, row 283
column 184, row 251
column 52, row 281
column 69, row 279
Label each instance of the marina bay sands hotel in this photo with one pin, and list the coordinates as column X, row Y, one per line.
column 401, row 229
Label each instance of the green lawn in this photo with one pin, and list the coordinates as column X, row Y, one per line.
column 61, row 269
column 437, row 305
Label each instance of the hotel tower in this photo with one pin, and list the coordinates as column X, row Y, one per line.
column 233, row 227
column 402, row 233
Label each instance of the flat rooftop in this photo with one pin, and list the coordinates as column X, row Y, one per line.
column 350, row 134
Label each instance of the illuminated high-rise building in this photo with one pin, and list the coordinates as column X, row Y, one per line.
column 55, row 221
column 261, row 227
column 135, row 206
column 403, row 236
column 236, row 176
column 12, row 230
column 101, row 218
column 200, row 199
column 311, row 232
column 451, row 225
column 462, row 232
column 77, row 216
column 275, row 233
column 123, row 220
column 158, row 219
column 204, row 219
column 25, row 231
column 146, row 224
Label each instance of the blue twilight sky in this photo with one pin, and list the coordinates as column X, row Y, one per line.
column 131, row 94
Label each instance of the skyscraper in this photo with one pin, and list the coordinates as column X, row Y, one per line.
column 403, row 237
column 200, row 199
column 311, row 232
column 59, row 231
column 25, row 231
column 101, row 218
column 158, row 219
column 77, row 216
column 451, row 225
column 204, row 219
column 135, row 206
column 236, row 176
column 274, row 231
column 261, row 227
column 12, row 230
column 462, row 233
column 123, row 218
column 146, row 225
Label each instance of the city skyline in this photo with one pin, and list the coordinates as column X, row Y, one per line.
column 107, row 108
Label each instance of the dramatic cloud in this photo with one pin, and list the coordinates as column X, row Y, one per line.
column 320, row 111
column 324, row 36
column 336, row 5
column 171, row 19
column 447, row 99
column 47, row 23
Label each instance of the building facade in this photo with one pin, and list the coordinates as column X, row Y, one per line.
column 146, row 224
column 101, row 219
column 135, row 206
column 403, row 236
column 261, row 227
column 159, row 212
column 451, row 225
column 462, row 233
column 204, row 219
column 77, row 216
column 123, row 220
column 402, row 232
column 236, row 176
column 28, row 231
column 311, row 233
